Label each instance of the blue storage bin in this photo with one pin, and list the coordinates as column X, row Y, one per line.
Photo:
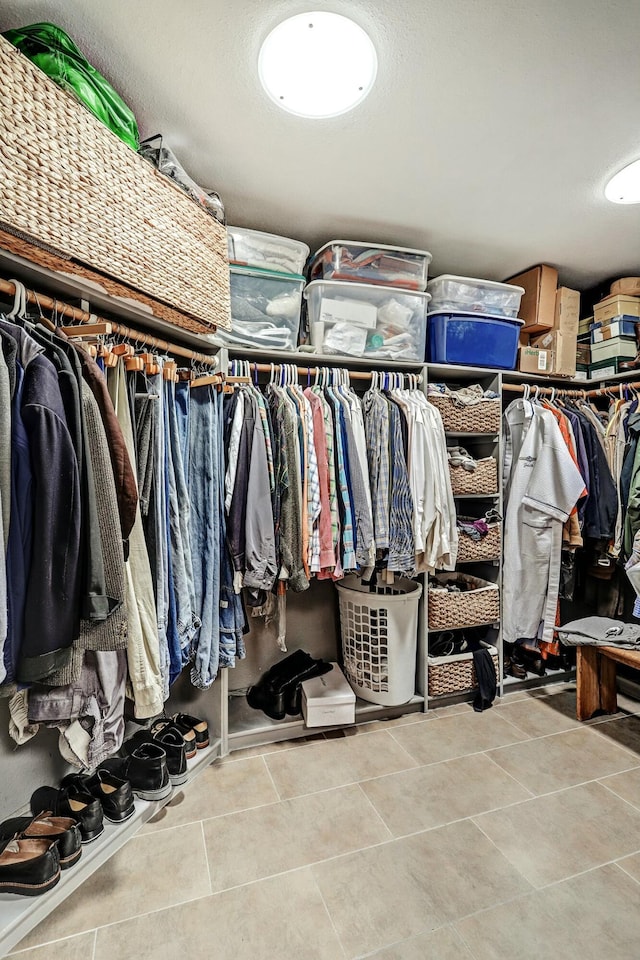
column 473, row 340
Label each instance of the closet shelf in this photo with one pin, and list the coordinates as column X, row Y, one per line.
column 249, row 727
column 303, row 359
column 471, row 435
column 19, row 915
column 465, row 626
column 476, row 496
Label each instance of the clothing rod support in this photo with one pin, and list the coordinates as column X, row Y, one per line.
column 58, row 307
column 612, row 391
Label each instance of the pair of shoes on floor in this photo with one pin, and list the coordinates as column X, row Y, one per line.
column 33, row 851
column 278, row 692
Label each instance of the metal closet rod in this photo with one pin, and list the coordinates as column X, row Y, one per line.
column 80, row 316
column 312, row 370
column 612, row 391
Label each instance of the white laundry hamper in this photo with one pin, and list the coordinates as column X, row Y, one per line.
column 379, row 638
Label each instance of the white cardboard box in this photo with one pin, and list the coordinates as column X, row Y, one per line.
column 328, row 699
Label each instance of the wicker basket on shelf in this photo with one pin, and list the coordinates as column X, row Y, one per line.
column 481, row 417
column 478, row 604
column 475, row 551
column 455, row 674
column 484, row 479
column 72, row 189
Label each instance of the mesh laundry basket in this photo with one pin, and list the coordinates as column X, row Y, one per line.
column 379, row 638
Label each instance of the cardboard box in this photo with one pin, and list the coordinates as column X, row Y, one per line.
column 563, row 351
column 606, row 368
column 623, row 347
column 614, row 328
column 328, row 700
column 584, row 325
column 583, row 354
column 538, row 304
column 532, row 360
column 582, row 372
column 628, row 287
column 567, row 315
column 616, row 306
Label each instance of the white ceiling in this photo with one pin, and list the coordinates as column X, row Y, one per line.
column 487, row 139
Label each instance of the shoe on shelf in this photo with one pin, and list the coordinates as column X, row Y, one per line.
column 115, row 795
column 146, row 770
column 45, row 826
column 28, row 867
column 514, row 669
column 278, row 690
column 188, row 735
column 188, row 725
column 172, row 742
column 71, row 802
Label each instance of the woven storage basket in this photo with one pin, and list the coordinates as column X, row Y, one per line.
column 480, row 604
column 69, row 183
column 470, row 550
column 455, row 674
column 484, row 479
column 482, row 417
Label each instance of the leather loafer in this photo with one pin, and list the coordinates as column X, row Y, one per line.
column 45, row 826
column 188, row 735
column 188, row 724
column 74, row 803
column 28, row 867
column 146, row 770
column 115, row 795
column 172, row 742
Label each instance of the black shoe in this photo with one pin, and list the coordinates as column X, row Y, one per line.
column 188, row 725
column 28, row 867
column 145, row 769
column 47, row 827
column 276, row 692
column 173, row 744
column 114, row 794
column 187, row 734
column 74, row 803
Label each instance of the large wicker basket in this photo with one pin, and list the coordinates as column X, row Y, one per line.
column 455, row 674
column 476, row 551
column 70, row 186
column 478, row 605
column 481, row 417
column 484, row 479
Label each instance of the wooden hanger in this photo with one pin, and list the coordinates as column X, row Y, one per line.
column 133, row 364
column 170, row 371
column 213, row 379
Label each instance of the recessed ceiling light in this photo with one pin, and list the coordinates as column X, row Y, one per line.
column 317, row 64
column 624, row 187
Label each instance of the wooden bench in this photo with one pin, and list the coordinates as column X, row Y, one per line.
column 596, row 678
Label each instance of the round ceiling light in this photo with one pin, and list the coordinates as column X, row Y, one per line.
column 624, row 187
column 317, row 64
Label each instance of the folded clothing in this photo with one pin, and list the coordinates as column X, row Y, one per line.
column 600, row 631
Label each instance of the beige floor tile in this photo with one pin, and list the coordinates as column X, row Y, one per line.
column 441, row 792
column 554, row 837
column 563, row 760
column 588, row 917
column 453, row 710
column 263, row 748
column 221, row 788
column 405, row 887
column 552, row 689
column 281, row 917
column 131, row 881
column 625, row 732
column 335, row 763
column 631, row 865
column 628, row 704
column 443, row 944
column 74, row 948
column 379, row 726
column 293, row 833
column 626, row 785
column 457, row 736
column 539, row 716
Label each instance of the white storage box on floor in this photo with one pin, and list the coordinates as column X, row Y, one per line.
column 379, row 630
column 451, row 294
column 328, row 699
column 371, row 263
column 265, row 309
column 252, row 248
column 366, row 320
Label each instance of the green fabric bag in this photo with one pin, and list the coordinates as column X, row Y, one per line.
column 56, row 54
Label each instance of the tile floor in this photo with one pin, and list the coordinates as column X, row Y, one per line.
column 509, row 834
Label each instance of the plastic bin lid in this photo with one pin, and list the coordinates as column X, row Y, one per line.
column 267, row 274
column 475, row 316
column 270, row 236
column 493, row 284
column 371, row 246
column 345, row 285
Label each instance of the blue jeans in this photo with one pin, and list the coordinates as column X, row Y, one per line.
column 182, row 390
column 206, row 472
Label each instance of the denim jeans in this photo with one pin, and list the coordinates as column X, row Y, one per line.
column 206, row 471
column 182, row 416
column 233, row 620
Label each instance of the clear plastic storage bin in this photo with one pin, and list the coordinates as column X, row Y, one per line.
column 265, row 310
column 371, row 263
column 365, row 320
column 252, row 248
column 469, row 339
column 467, row 295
